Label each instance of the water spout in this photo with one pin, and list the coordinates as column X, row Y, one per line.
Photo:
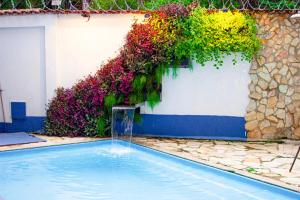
column 122, row 123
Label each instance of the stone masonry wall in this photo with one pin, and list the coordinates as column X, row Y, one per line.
column 274, row 108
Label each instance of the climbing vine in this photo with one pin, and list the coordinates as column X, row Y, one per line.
column 173, row 34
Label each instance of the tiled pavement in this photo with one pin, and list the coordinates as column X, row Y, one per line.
column 266, row 161
column 49, row 142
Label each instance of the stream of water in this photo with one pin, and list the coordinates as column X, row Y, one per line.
column 122, row 124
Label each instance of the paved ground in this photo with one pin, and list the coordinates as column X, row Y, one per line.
column 269, row 162
column 49, row 142
column 264, row 161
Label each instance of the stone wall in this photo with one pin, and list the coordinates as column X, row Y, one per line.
column 274, row 108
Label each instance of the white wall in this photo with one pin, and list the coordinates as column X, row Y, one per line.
column 39, row 53
column 205, row 91
column 22, row 69
column 82, row 44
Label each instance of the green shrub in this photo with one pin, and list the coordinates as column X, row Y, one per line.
column 278, row 4
column 155, row 4
column 211, row 36
column 114, row 4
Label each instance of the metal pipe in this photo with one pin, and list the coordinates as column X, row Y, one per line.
column 2, row 106
column 295, row 159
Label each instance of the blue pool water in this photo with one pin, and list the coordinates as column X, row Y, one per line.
column 102, row 170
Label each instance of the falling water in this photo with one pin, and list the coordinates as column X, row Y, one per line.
column 122, row 123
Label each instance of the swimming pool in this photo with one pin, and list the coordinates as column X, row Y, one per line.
column 102, row 170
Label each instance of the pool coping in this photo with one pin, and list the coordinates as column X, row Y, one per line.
column 51, row 145
column 231, row 170
column 213, row 165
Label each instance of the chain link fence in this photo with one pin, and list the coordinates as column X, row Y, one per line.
column 147, row 4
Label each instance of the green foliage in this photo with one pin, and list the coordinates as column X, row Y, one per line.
column 170, row 36
column 114, row 4
column 278, row 4
column 211, row 36
column 90, row 128
column 203, row 3
column 28, row 4
column 110, row 100
column 217, row 4
column 153, row 5
column 101, row 127
column 153, row 98
column 136, row 98
column 138, row 85
column 231, row 4
column 159, row 72
column 97, row 126
column 251, row 170
column 139, row 82
column 21, row 4
column 137, row 117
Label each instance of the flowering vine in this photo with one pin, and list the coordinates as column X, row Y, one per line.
column 171, row 35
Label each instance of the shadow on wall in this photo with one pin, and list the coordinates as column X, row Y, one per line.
column 21, row 122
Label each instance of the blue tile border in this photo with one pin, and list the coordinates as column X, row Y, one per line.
column 21, row 122
column 29, row 124
column 192, row 126
column 174, row 126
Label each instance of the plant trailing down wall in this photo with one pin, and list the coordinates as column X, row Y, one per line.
column 172, row 34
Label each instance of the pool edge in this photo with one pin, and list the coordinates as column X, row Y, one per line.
column 231, row 170
column 52, row 145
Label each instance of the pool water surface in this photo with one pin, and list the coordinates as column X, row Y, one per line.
column 113, row 171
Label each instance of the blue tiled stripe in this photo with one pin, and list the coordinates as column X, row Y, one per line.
column 192, row 126
column 179, row 126
column 21, row 122
column 29, row 124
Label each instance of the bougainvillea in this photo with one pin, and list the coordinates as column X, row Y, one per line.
column 139, row 48
column 172, row 34
column 84, row 110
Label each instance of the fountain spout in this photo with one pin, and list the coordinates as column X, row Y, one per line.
column 122, row 123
